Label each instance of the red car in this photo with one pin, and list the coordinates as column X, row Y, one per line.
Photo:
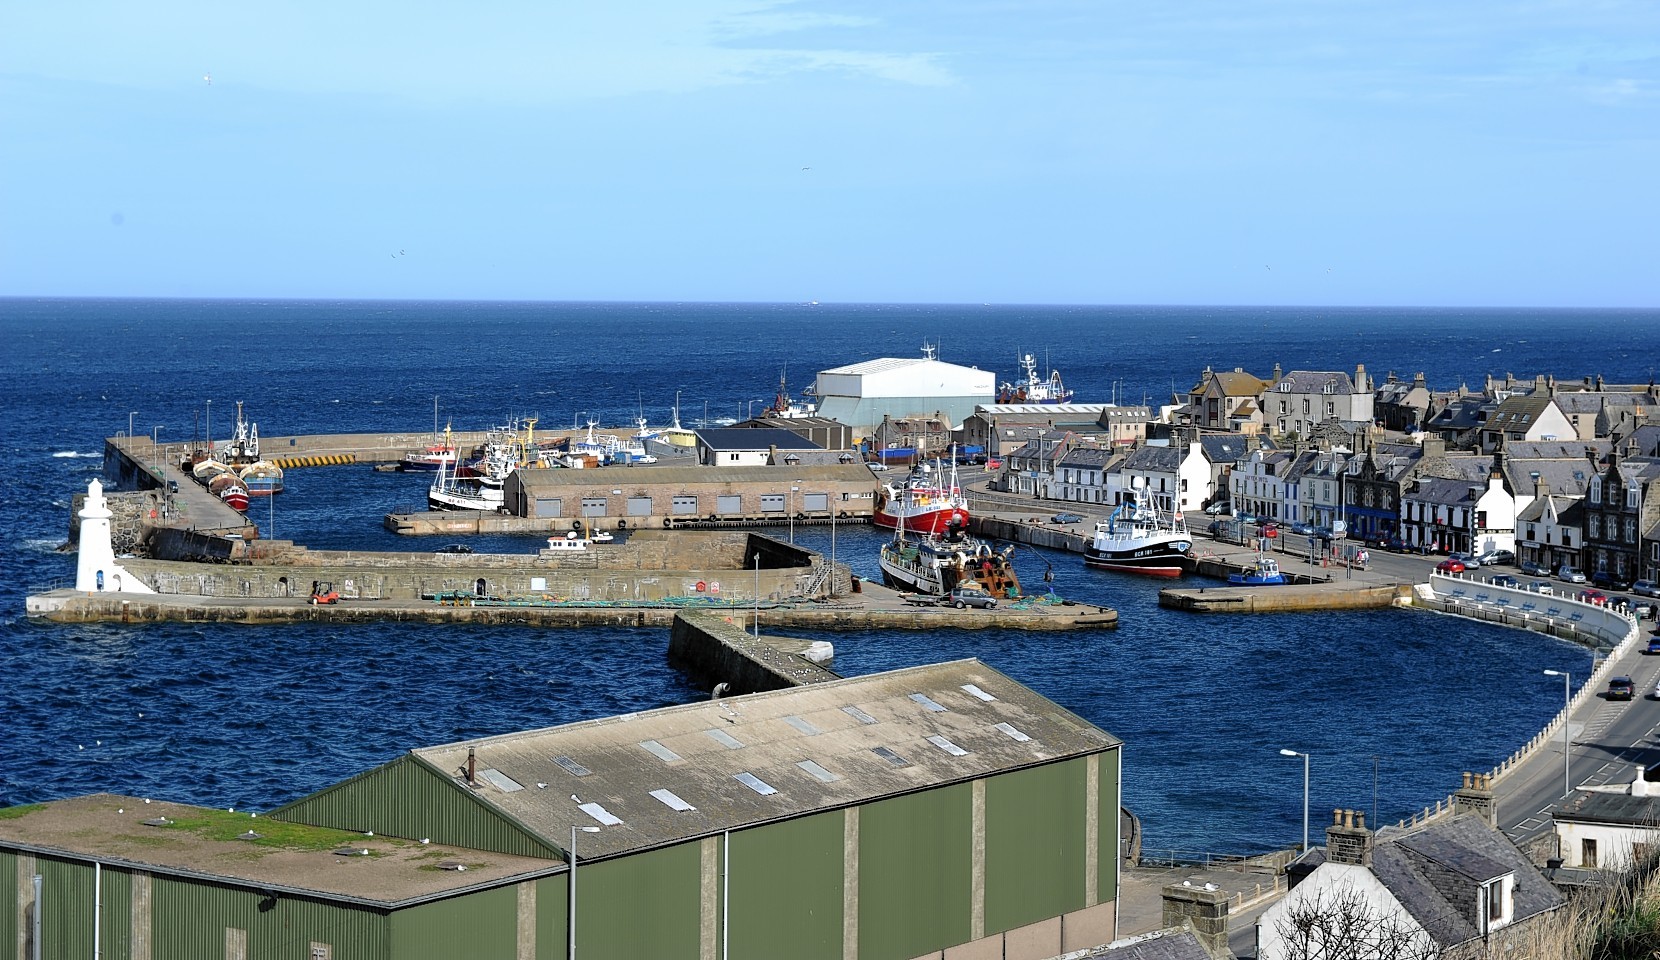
column 1450, row 566
column 1593, row 596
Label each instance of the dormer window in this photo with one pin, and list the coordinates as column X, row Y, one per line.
column 1285, row 386
column 1497, row 902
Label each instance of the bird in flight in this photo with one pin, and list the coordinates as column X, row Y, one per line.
column 208, row 79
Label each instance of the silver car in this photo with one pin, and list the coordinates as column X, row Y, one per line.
column 1568, row 574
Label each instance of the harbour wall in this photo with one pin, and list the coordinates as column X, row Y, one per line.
column 1288, row 598
column 713, row 649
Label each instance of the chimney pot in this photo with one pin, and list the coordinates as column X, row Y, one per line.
column 1467, row 779
column 472, row 765
column 1337, row 816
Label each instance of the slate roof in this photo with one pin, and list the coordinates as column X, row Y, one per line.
column 1464, row 413
column 1442, row 491
column 1155, row 459
column 1558, row 449
column 758, row 438
column 1315, row 381
column 1234, row 383
column 1089, row 458
column 1647, row 440
column 1612, row 808
column 1567, row 477
column 1583, row 402
column 1174, row 943
column 1570, row 511
column 1223, row 448
column 1519, row 412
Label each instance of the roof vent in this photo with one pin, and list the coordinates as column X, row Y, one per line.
column 158, row 822
column 352, row 852
column 572, row 767
column 890, row 756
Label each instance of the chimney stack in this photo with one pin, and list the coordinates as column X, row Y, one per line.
column 1206, row 910
column 1476, row 798
column 1347, row 839
column 472, row 767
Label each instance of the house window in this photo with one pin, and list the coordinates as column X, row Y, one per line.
column 1588, row 853
column 1596, row 489
column 1595, row 532
column 1495, row 902
column 732, row 457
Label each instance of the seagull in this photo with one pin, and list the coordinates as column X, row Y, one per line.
column 208, row 79
column 806, row 168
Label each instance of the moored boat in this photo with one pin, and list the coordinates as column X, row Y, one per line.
column 262, row 478
column 229, row 487
column 934, row 565
column 926, row 502
column 1032, row 388
column 433, row 456
column 1139, row 538
column 1263, row 572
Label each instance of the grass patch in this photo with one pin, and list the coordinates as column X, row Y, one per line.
column 277, row 834
column 14, row 813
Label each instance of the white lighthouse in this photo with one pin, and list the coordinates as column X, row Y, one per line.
column 96, row 570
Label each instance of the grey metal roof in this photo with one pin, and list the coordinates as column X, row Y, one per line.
column 771, row 749
column 1438, row 490
column 1223, row 448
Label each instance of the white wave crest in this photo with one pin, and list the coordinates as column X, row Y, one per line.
column 72, row 453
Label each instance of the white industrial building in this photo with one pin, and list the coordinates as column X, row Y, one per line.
column 862, row 394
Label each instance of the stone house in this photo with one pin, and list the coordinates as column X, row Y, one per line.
column 1177, row 476
column 1401, row 405
column 1454, row 886
column 1296, row 402
column 1031, row 469
column 1082, row 474
column 1608, row 830
column 1219, row 398
column 1549, row 531
column 1621, row 506
column 911, row 438
column 1523, row 417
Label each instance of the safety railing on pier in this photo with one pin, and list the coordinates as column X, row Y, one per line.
column 1565, row 616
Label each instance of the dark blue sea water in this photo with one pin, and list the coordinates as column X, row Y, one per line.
column 253, row 716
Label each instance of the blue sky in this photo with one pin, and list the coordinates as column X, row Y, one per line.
column 1111, row 151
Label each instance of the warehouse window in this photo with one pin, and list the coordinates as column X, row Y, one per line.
column 683, row 503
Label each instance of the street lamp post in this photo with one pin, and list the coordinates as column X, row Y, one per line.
column 1293, row 753
column 757, row 594
column 832, row 551
column 210, row 429
column 1566, row 683
column 571, row 920
column 155, row 447
column 130, row 415
column 789, row 508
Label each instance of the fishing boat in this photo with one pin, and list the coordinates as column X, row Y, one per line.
column 433, row 456
column 205, row 470
column 926, row 502
column 1031, row 388
column 933, row 565
column 243, row 446
column 262, row 478
column 1263, row 572
column 784, row 407
column 1139, row 538
column 229, row 487
column 674, row 435
column 569, row 543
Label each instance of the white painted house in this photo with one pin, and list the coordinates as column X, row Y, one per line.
column 1602, row 828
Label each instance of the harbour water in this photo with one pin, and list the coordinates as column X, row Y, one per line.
column 253, row 716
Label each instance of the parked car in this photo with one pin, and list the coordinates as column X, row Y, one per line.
column 1217, row 509
column 1066, row 518
column 1653, row 645
column 1542, row 587
column 1621, row 688
column 1450, row 565
column 877, row 467
column 1504, row 580
column 1464, row 558
column 966, row 596
column 1606, row 580
column 1646, row 588
column 1270, row 529
column 1529, row 568
column 1656, row 693
column 1395, row 545
column 1245, row 517
column 1303, row 529
column 1569, row 574
column 455, row 548
column 1496, row 556
column 1595, row 597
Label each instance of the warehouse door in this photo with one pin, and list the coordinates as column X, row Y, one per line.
column 816, row 502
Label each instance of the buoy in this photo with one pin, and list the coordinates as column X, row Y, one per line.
column 701, row 586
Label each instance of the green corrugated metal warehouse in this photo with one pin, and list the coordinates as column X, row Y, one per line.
column 941, row 811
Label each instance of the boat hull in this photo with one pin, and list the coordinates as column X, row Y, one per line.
column 236, row 499
column 1158, row 558
column 925, row 522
